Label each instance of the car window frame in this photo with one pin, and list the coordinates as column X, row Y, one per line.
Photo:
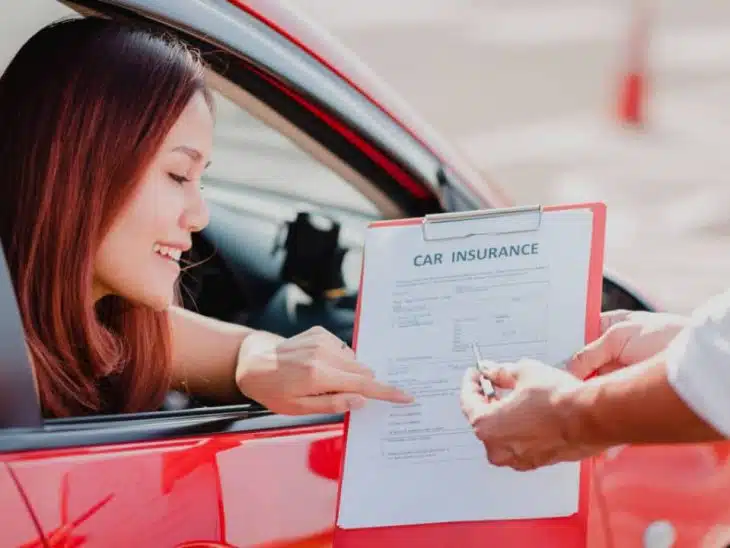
column 219, row 27
column 23, row 428
column 19, row 404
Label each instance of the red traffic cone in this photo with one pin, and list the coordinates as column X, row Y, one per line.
column 633, row 92
column 631, row 107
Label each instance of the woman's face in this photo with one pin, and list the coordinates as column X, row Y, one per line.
column 139, row 257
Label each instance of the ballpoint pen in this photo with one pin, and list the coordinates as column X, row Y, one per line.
column 485, row 383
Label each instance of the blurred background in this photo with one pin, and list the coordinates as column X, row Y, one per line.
column 532, row 91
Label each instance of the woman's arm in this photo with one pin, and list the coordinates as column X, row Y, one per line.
column 205, row 353
column 312, row 372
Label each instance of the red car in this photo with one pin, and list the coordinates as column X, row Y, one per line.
column 303, row 129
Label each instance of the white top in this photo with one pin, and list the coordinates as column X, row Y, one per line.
column 698, row 362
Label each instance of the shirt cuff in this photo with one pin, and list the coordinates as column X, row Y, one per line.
column 698, row 369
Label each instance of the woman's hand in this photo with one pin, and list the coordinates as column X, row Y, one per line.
column 626, row 338
column 313, row 372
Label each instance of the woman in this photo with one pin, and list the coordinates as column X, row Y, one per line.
column 106, row 132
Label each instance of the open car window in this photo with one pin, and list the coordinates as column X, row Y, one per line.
column 262, row 174
column 261, row 178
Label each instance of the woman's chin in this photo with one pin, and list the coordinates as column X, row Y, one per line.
column 157, row 300
column 161, row 302
column 157, row 293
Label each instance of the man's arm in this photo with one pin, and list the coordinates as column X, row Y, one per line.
column 636, row 405
column 677, row 396
column 680, row 395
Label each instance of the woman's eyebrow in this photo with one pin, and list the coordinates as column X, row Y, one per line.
column 191, row 152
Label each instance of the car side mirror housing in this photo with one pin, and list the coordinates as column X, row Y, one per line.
column 618, row 296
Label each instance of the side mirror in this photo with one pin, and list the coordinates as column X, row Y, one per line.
column 617, row 295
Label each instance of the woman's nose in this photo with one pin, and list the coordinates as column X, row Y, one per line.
column 197, row 215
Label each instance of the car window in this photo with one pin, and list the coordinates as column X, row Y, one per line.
column 250, row 155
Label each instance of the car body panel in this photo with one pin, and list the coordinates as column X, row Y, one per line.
column 685, row 487
column 269, row 488
column 18, row 527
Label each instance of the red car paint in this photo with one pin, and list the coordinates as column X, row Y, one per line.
column 256, row 489
column 18, row 528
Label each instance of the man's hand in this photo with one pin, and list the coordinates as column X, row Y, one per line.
column 313, row 372
column 523, row 429
column 626, row 338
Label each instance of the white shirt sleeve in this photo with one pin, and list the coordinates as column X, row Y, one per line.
column 698, row 363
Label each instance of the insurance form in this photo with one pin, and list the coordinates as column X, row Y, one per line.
column 424, row 303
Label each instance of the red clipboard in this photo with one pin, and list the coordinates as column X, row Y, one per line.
column 562, row 532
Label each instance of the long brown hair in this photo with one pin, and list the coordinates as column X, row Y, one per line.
column 84, row 106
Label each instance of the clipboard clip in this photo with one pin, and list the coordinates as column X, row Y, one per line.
column 463, row 224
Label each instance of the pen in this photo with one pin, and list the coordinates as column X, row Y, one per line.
column 485, row 383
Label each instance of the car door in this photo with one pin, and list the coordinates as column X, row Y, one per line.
column 260, row 485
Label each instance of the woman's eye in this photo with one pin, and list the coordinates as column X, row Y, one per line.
column 178, row 178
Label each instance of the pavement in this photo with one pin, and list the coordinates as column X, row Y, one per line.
column 527, row 89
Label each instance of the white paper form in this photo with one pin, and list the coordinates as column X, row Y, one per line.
column 515, row 295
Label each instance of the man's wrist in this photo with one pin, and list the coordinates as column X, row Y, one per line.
column 610, row 409
column 572, row 414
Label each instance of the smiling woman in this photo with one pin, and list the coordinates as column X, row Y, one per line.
column 61, row 201
column 139, row 256
column 100, row 166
